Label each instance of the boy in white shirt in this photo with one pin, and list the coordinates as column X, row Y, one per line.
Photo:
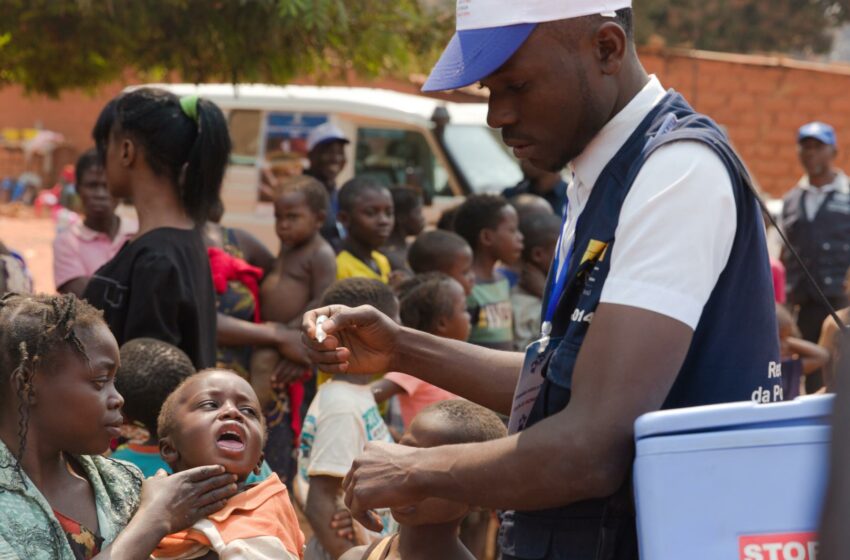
column 341, row 420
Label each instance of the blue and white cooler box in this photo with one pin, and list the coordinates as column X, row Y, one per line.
column 736, row 481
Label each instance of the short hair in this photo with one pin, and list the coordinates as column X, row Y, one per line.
column 354, row 292
column 87, row 160
column 538, row 230
column 166, row 420
column 354, row 189
column 315, row 193
column 528, row 203
column 467, row 422
column 571, row 32
column 150, row 371
column 625, row 17
column 478, row 212
column 447, row 219
column 424, row 300
column 405, row 199
column 435, row 251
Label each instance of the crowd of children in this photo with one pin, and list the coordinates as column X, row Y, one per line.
column 479, row 277
column 169, row 396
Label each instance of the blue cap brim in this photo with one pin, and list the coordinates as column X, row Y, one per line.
column 820, row 137
column 474, row 54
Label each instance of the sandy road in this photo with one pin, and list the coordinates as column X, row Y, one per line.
column 33, row 238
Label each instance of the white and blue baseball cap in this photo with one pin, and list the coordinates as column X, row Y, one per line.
column 489, row 32
column 821, row 132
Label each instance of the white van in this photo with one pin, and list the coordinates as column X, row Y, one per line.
column 444, row 148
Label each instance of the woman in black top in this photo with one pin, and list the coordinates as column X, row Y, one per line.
column 168, row 154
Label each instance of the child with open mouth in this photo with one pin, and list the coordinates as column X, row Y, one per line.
column 214, row 418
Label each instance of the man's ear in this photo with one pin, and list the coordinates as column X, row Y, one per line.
column 168, row 452
column 610, row 44
column 321, row 216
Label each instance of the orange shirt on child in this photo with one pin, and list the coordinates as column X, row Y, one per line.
column 257, row 524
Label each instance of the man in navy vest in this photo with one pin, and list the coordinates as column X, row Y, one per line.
column 816, row 218
column 660, row 295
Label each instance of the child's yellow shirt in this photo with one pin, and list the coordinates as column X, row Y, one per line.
column 349, row 266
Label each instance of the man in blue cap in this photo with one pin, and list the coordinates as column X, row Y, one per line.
column 326, row 152
column 816, row 219
column 660, row 294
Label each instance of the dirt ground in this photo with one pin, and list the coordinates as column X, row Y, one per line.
column 33, row 238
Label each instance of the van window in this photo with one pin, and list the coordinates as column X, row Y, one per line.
column 286, row 134
column 245, row 134
column 400, row 157
column 285, row 148
column 482, row 157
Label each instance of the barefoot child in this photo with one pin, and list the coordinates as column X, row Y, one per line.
column 341, row 420
column 303, row 270
column 443, row 251
column 491, row 227
column 429, row 529
column 367, row 213
column 214, row 418
column 432, row 303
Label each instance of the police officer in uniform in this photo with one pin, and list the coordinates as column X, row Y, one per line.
column 816, row 219
column 660, row 295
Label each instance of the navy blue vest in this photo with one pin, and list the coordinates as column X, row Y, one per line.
column 823, row 243
column 732, row 356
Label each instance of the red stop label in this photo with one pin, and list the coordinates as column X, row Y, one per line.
column 779, row 546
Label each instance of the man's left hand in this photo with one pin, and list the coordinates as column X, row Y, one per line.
column 381, row 477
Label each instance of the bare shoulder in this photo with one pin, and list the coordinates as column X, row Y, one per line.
column 322, row 252
column 829, row 328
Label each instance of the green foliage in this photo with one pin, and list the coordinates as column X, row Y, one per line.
column 50, row 45
column 788, row 26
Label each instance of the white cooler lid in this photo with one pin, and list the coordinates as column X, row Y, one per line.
column 812, row 410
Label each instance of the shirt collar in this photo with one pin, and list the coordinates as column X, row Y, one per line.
column 608, row 141
column 250, row 499
column 85, row 233
column 840, row 184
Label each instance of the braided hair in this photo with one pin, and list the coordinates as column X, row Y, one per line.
column 33, row 329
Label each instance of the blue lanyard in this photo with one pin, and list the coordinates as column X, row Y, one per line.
column 559, row 283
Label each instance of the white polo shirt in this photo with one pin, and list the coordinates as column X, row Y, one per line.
column 677, row 223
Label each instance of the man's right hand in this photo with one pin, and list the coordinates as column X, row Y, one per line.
column 360, row 339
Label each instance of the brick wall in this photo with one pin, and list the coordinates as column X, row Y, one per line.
column 760, row 100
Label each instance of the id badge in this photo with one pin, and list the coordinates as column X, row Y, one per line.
column 531, row 379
